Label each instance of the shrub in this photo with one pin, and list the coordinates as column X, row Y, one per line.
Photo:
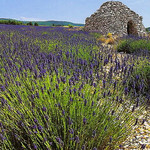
column 36, row 24
column 30, row 23
column 139, row 81
column 70, row 26
column 109, row 35
column 131, row 45
column 56, row 116
column 108, row 40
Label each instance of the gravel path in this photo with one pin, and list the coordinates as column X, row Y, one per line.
column 140, row 137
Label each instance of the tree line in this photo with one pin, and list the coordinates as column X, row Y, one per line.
column 14, row 22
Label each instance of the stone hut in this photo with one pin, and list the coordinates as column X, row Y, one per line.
column 116, row 18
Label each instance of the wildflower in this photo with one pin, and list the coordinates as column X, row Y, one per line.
column 94, row 148
column 71, row 131
column 133, row 108
column 115, row 83
column 104, row 82
column 77, row 139
column 70, row 121
column 35, row 120
column 2, row 138
column 143, row 146
column 94, row 84
column 110, row 139
column 3, row 101
column 46, row 117
column 137, row 102
column 92, row 103
column 104, row 94
column 84, row 120
column 1, row 125
column 58, row 139
column 74, row 90
column 34, row 146
column 85, row 102
column 40, row 128
column 126, row 90
column 57, row 86
column 70, row 91
column 112, row 113
column 93, row 133
column 83, row 147
column 94, row 113
column 63, row 112
column 71, row 99
column 44, row 109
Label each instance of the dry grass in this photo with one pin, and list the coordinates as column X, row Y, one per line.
column 108, row 39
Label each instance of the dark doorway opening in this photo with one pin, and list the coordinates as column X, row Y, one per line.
column 131, row 28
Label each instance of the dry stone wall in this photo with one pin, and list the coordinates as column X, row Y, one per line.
column 116, row 18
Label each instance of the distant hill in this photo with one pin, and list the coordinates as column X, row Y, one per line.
column 49, row 23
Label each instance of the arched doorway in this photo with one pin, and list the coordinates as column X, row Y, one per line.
column 131, row 28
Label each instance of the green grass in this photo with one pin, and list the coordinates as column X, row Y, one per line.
column 132, row 45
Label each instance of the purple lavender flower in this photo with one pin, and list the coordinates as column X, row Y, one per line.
column 137, row 102
column 77, row 139
column 143, row 146
column 2, row 138
column 70, row 121
column 84, row 120
column 71, row 99
column 85, row 102
column 71, row 131
column 35, row 120
column 40, row 128
column 58, row 139
column 126, row 90
column 83, row 147
column 46, row 117
column 93, row 133
column 94, row 113
column 110, row 139
column 70, row 91
column 44, row 109
column 34, row 146
column 57, row 86
column 92, row 103
column 104, row 82
column 133, row 108
column 112, row 113
column 63, row 112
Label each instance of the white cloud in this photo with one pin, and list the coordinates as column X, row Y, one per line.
column 30, row 19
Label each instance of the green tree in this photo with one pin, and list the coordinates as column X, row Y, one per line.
column 30, row 23
column 36, row 24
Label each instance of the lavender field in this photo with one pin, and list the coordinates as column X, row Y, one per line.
column 60, row 89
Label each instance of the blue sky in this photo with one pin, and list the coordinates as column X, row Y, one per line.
column 64, row 10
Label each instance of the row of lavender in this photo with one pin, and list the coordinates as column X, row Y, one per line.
column 57, row 93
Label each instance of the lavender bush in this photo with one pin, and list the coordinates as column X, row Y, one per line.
column 60, row 89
